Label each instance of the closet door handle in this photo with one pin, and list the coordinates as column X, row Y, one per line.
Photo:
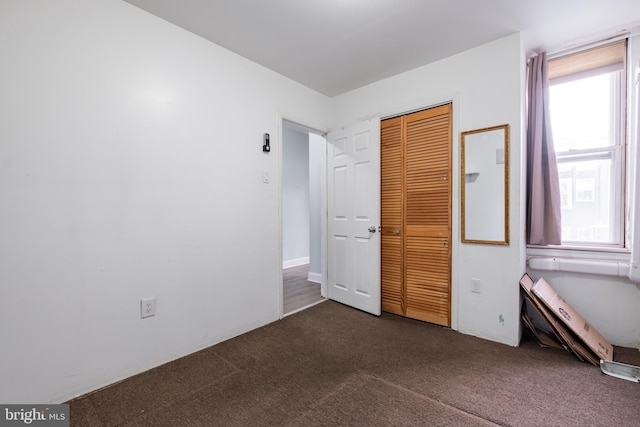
column 372, row 229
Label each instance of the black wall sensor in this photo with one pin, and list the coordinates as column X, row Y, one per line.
column 265, row 144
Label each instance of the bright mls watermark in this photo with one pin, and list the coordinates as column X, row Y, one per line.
column 34, row 415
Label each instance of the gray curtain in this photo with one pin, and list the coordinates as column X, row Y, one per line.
column 543, row 189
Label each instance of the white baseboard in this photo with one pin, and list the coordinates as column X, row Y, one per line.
column 295, row 262
column 314, row 277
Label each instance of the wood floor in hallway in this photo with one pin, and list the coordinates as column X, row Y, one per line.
column 298, row 291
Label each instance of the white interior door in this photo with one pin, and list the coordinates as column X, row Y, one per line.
column 353, row 192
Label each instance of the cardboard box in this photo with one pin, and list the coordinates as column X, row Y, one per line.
column 561, row 333
column 573, row 320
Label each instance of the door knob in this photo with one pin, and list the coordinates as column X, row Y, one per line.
column 372, row 229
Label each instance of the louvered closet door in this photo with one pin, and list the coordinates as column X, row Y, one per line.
column 391, row 178
column 427, row 215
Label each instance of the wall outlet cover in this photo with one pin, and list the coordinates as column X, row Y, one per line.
column 147, row 307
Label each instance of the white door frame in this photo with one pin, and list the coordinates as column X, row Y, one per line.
column 323, row 205
column 351, row 294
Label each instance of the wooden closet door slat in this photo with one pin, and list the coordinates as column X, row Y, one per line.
column 391, row 199
column 427, row 215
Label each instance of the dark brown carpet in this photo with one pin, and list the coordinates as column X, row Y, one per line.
column 332, row 365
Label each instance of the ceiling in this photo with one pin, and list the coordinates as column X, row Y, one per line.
column 334, row 46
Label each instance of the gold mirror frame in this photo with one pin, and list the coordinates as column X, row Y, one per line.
column 482, row 175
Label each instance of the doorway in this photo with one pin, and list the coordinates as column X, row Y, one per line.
column 302, row 259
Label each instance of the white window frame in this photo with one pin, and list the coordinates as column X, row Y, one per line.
column 618, row 154
column 621, row 261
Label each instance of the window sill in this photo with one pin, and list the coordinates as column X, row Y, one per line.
column 600, row 261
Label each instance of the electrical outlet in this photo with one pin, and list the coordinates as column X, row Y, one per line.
column 147, row 307
column 475, row 286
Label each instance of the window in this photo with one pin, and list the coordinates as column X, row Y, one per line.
column 587, row 108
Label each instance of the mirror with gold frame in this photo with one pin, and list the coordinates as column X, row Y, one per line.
column 484, row 185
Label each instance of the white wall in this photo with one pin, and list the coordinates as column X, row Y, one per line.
column 130, row 166
column 486, row 86
column 295, row 198
column 317, row 144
